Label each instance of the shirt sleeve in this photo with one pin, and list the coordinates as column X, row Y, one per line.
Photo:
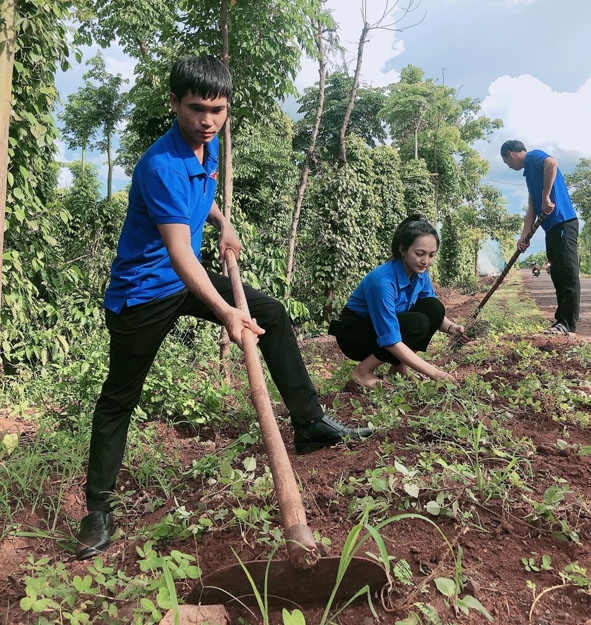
column 166, row 195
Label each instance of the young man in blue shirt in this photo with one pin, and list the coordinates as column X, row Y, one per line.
column 157, row 276
column 548, row 195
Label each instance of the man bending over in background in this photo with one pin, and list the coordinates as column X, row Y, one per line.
column 548, row 195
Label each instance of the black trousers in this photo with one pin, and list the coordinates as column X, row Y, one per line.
column 357, row 338
column 561, row 249
column 135, row 337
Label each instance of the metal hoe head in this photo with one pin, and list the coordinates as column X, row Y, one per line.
column 284, row 585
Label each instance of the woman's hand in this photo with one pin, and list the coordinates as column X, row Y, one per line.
column 457, row 331
column 444, row 376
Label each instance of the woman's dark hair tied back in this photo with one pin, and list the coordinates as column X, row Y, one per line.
column 409, row 230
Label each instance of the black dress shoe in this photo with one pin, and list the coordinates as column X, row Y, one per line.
column 95, row 534
column 324, row 432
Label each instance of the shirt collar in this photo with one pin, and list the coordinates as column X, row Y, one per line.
column 192, row 164
column 400, row 273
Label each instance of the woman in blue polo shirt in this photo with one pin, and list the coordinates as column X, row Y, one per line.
column 394, row 312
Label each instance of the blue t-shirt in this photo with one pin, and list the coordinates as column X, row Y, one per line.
column 534, row 177
column 386, row 291
column 169, row 186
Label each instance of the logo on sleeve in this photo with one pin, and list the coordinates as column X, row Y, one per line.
column 214, row 175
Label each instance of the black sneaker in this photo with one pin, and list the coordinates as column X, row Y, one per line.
column 325, row 432
column 95, row 534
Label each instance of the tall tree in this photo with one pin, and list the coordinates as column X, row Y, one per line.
column 386, row 21
column 319, row 28
column 579, row 183
column 363, row 122
column 486, row 218
column 106, row 107
column 406, row 107
column 78, row 128
column 426, row 120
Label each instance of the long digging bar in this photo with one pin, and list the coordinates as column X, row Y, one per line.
column 301, row 546
column 304, row 579
column 508, row 266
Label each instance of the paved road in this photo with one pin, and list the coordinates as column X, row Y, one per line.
column 542, row 290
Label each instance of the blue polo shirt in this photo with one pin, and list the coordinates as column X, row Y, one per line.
column 169, row 186
column 534, row 176
column 385, row 292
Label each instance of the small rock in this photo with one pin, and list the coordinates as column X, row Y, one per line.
column 198, row 615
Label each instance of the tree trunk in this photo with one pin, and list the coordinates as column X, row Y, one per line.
column 227, row 174
column 109, row 168
column 328, row 303
column 351, row 105
column 7, row 44
column 309, row 154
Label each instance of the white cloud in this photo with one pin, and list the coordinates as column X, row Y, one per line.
column 517, row 3
column 65, row 178
column 540, row 116
column 117, row 63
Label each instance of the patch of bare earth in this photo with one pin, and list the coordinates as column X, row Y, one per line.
column 493, row 541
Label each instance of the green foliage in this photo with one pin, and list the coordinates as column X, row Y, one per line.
column 150, row 116
column 97, row 107
column 579, row 183
column 52, row 591
column 265, row 175
column 585, row 249
column 388, row 192
column 265, row 49
column 89, row 237
column 419, row 192
column 483, row 218
column 105, row 104
column 364, row 120
column 341, row 243
column 428, row 121
column 172, row 390
column 138, row 27
column 36, row 479
column 449, row 258
column 538, row 257
column 30, row 254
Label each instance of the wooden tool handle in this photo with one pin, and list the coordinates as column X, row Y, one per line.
column 301, row 545
column 508, row 266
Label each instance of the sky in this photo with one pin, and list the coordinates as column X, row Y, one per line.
column 526, row 61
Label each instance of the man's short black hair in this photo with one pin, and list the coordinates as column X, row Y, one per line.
column 513, row 145
column 204, row 76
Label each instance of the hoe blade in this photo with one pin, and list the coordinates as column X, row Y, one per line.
column 287, row 585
